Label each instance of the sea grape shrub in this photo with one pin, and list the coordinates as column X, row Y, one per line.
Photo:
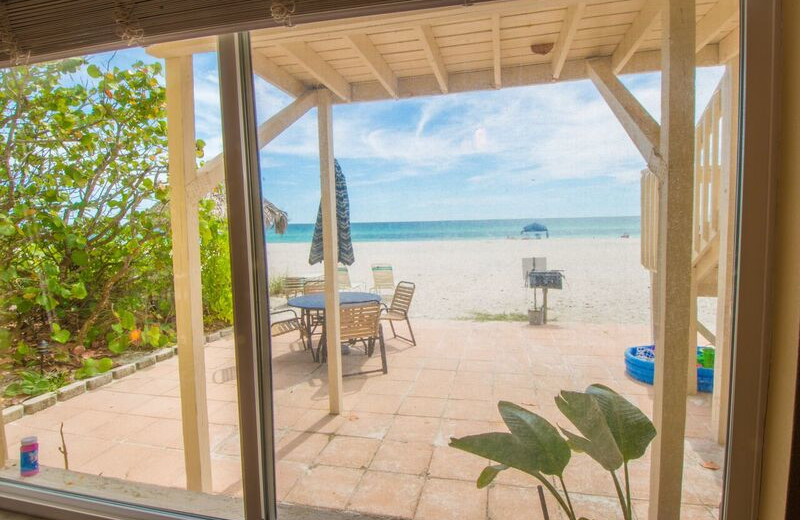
column 215, row 262
column 85, row 257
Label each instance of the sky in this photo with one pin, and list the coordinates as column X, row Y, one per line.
column 541, row 151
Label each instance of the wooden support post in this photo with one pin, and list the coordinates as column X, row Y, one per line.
column 186, row 271
column 330, row 253
column 725, row 274
column 674, row 257
column 691, row 365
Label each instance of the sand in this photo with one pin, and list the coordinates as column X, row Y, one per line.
column 604, row 280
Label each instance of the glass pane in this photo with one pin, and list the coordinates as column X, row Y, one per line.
column 523, row 221
column 100, row 364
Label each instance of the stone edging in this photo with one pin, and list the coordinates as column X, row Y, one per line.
column 35, row 404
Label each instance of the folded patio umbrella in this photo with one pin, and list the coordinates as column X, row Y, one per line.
column 346, row 256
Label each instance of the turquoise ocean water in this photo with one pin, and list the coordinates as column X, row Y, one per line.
column 589, row 227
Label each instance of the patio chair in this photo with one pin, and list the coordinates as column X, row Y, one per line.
column 314, row 286
column 398, row 310
column 343, row 275
column 359, row 324
column 382, row 278
column 293, row 285
column 286, row 325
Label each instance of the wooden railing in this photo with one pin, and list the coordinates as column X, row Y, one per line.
column 707, row 171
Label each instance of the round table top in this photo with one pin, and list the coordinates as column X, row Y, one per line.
column 316, row 301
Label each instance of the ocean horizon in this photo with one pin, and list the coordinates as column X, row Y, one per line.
column 575, row 227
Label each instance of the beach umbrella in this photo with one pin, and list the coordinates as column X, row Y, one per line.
column 346, row 256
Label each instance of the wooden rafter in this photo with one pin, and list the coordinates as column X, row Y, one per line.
column 434, row 56
column 320, row 69
column 496, row 52
column 375, row 62
column 716, row 19
column 213, row 171
column 636, row 34
column 729, row 46
column 272, row 73
column 640, row 126
column 565, row 37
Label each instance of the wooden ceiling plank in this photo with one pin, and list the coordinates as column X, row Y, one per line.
column 497, row 62
column 712, row 24
column 729, row 46
column 319, row 69
column 636, row 34
column 565, row 37
column 375, row 62
column 275, row 75
column 434, row 56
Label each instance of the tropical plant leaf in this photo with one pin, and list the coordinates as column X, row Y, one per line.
column 538, row 436
column 584, row 412
column 630, row 427
column 488, row 474
column 500, row 447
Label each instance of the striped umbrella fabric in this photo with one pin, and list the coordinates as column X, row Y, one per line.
column 346, row 255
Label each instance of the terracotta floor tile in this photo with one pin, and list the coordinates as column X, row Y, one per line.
column 301, row 446
column 402, row 457
column 287, row 473
column 468, row 409
column 422, row 406
column 348, row 452
column 377, row 403
column 364, row 424
column 162, row 432
column 390, row 494
column 160, row 407
column 455, row 464
column 451, row 500
column 325, row 486
column 318, row 421
column 414, row 429
column 515, row 503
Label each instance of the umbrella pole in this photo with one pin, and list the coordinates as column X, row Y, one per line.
column 330, row 249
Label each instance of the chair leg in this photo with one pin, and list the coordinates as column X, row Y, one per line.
column 391, row 324
column 411, row 331
column 382, row 346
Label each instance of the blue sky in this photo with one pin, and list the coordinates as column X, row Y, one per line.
column 529, row 152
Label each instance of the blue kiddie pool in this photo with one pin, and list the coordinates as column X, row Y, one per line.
column 639, row 364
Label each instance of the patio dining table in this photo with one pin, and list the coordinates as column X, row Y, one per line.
column 312, row 309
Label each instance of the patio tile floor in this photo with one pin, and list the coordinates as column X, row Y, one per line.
column 387, row 452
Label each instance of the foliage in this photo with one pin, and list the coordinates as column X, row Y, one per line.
column 83, row 230
column 216, row 266
column 612, row 431
column 276, row 285
column 33, row 384
column 92, row 367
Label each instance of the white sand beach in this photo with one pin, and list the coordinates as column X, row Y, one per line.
column 604, row 279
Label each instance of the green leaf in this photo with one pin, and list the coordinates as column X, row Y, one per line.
column 500, row 447
column 488, row 474
column 58, row 334
column 13, row 390
column 127, row 320
column 104, row 365
column 630, row 427
column 538, row 435
column 79, row 291
column 79, row 257
column 597, row 442
column 93, row 71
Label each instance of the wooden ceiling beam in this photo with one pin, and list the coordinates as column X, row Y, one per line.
column 565, row 37
column 729, row 46
column 496, row 57
column 212, row 173
column 715, row 20
column 320, row 69
column 636, row 34
column 434, row 56
column 375, row 62
column 267, row 69
column 644, row 131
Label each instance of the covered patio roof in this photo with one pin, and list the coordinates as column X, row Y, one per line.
column 466, row 48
